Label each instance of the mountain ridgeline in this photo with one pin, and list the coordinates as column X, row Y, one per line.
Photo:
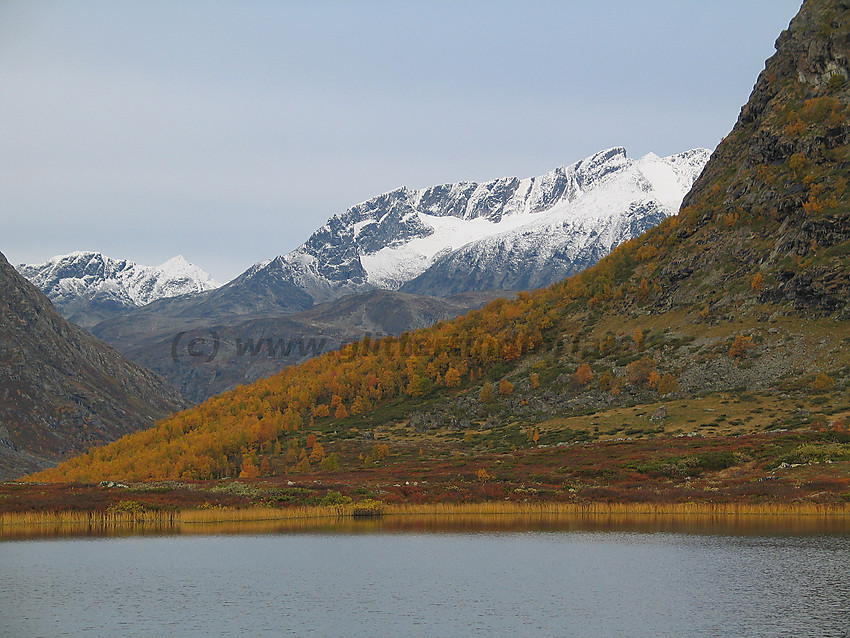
column 744, row 292
column 89, row 287
column 506, row 234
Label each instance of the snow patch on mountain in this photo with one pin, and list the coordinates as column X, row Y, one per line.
column 394, row 265
column 564, row 208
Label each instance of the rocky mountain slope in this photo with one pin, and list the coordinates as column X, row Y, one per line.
column 88, row 287
column 61, row 390
column 609, row 199
column 727, row 319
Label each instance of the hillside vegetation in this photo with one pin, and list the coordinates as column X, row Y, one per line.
column 730, row 318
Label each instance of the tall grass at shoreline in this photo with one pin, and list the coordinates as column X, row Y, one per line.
column 671, row 509
column 254, row 514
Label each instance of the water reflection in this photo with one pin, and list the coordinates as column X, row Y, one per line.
column 708, row 524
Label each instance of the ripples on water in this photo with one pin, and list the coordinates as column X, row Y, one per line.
column 655, row 577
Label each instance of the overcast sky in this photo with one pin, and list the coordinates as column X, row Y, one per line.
column 229, row 131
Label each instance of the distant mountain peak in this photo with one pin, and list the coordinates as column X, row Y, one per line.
column 86, row 284
column 196, row 279
column 176, row 261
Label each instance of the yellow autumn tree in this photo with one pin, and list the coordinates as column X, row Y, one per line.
column 381, row 451
column 452, row 377
column 249, row 468
column 821, row 382
column 668, row 384
column 740, row 346
column 654, row 379
column 318, row 453
column 640, row 372
column 637, row 337
column 487, row 394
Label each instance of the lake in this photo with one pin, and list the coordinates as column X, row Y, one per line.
column 587, row 578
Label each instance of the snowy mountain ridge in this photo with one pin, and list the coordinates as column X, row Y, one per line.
column 100, row 282
column 573, row 215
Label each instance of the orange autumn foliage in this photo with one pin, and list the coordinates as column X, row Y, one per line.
column 584, row 374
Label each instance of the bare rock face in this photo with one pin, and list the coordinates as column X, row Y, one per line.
column 814, row 233
column 819, row 288
column 62, row 390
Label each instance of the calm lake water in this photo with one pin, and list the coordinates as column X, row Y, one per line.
column 379, row 582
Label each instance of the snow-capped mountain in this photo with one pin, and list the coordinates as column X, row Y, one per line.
column 618, row 199
column 86, row 287
column 508, row 233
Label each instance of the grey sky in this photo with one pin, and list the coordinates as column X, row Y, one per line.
column 229, row 131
